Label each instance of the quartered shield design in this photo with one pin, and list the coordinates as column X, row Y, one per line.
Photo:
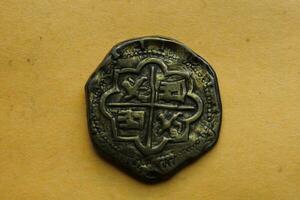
column 153, row 105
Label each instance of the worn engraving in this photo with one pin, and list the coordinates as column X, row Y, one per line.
column 153, row 105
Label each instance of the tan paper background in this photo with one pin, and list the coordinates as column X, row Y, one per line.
column 49, row 48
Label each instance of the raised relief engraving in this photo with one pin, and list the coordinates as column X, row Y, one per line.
column 131, row 119
column 161, row 97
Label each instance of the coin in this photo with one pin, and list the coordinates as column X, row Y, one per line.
column 153, row 106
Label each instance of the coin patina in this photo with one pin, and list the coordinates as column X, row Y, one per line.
column 153, row 106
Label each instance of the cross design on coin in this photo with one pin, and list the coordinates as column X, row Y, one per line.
column 151, row 105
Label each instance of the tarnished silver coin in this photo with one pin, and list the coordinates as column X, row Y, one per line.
column 153, row 106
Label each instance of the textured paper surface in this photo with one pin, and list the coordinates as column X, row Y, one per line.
column 49, row 48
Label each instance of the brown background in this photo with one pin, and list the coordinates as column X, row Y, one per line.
column 49, row 48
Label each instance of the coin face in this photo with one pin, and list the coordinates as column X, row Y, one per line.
column 153, row 106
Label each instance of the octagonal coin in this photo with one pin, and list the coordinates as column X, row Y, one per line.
column 153, row 106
